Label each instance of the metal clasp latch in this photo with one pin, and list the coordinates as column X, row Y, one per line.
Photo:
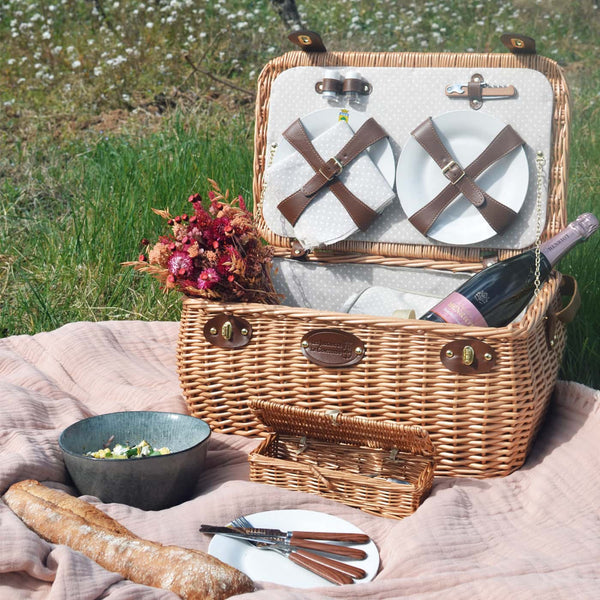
column 227, row 330
column 468, row 355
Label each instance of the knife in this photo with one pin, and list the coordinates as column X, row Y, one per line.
column 335, row 549
column 325, row 565
column 292, row 536
column 308, row 560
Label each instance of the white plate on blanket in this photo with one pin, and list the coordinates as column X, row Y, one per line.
column 466, row 134
column 317, row 122
column 264, row 565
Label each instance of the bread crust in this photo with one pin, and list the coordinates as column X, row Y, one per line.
column 63, row 519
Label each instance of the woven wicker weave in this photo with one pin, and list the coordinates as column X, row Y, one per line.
column 346, row 459
column 480, row 425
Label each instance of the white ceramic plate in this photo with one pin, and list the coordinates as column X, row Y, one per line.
column 419, row 179
column 265, row 565
column 319, row 121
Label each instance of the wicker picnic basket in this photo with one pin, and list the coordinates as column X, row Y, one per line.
column 381, row 467
column 482, row 424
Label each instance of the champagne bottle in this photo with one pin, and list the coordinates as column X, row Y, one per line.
column 495, row 296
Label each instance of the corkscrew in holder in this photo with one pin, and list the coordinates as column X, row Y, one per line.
column 477, row 90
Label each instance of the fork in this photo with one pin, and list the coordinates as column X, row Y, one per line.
column 309, row 544
column 332, row 570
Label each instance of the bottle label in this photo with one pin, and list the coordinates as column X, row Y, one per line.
column 458, row 309
column 555, row 248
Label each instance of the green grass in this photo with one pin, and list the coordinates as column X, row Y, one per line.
column 107, row 113
column 69, row 266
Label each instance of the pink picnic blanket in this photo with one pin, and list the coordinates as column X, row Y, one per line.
column 533, row 534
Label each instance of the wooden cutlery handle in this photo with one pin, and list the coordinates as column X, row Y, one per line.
column 352, row 538
column 335, row 549
column 351, row 570
column 321, row 569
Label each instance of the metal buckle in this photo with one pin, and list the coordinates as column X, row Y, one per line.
column 447, row 167
column 339, row 165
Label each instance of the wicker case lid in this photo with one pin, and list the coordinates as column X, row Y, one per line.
column 435, row 255
column 334, row 427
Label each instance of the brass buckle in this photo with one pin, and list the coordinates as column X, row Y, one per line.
column 447, row 167
column 339, row 165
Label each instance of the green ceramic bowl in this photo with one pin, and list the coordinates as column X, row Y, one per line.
column 150, row 483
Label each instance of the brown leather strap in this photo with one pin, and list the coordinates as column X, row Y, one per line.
column 475, row 91
column 568, row 287
column 353, row 85
column 326, row 172
column 329, row 85
column 462, row 180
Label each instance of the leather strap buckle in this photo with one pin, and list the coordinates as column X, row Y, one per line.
column 327, row 170
column 449, row 171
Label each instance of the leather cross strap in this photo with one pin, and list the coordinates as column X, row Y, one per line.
column 326, row 172
column 462, row 180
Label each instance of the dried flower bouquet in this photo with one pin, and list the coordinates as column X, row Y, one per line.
column 214, row 253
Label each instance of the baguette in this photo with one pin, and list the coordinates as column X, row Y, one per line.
column 63, row 519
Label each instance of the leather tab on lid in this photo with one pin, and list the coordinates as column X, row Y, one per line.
column 309, row 41
column 298, row 251
column 518, row 43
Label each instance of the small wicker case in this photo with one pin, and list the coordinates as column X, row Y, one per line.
column 381, row 467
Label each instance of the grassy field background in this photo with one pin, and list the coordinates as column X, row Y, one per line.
column 112, row 107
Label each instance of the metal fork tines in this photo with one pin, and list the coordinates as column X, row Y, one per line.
column 332, row 570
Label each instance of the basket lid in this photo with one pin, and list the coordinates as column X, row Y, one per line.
column 334, row 427
column 286, row 91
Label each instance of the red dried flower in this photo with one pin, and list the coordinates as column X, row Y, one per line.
column 207, row 279
column 203, row 218
column 218, row 229
column 227, row 260
column 180, row 263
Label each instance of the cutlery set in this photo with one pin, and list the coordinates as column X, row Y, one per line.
column 307, row 549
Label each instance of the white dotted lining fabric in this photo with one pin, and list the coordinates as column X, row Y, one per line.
column 334, row 287
column 401, row 99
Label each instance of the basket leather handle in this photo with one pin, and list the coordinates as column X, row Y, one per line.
column 569, row 287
